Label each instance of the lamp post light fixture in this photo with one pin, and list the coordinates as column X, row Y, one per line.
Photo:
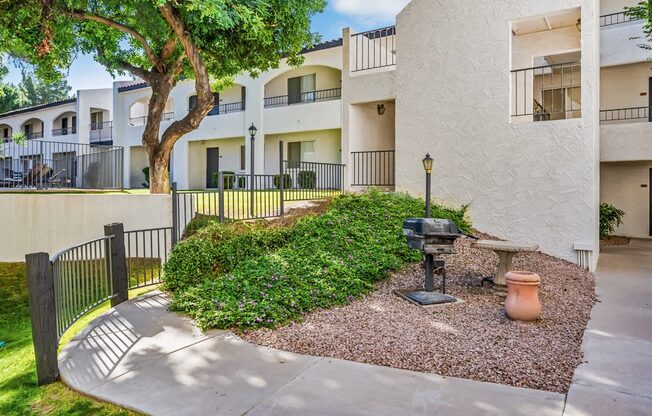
column 427, row 166
column 252, row 133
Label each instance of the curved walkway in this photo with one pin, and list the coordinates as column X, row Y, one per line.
column 143, row 357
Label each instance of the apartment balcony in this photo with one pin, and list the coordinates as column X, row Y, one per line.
column 142, row 120
column 313, row 110
column 620, row 37
column 101, row 133
column 34, row 135
column 625, row 134
column 373, row 50
column 64, row 131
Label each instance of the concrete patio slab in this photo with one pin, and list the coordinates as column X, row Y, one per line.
column 616, row 375
column 143, row 357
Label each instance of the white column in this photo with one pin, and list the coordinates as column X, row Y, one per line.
column 254, row 114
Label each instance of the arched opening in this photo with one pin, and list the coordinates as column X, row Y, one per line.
column 229, row 100
column 307, row 84
column 65, row 124
column 5, row 132
column 33, row 128
column 138, row 111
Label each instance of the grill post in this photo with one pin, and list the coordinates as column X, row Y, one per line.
column 118, row 259
column 43, row 314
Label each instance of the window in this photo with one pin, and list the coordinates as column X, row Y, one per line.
column 5, row 133
column 300, row 152
column 559, row 103
column 301, row 89
column 97, row 119
column 243, row 157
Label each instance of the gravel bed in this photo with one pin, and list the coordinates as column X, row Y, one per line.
column 473, row 339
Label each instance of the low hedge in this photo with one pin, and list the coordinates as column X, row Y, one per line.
column 287, row 181
column 229, row 180
column 307, row 179
column 258, row 275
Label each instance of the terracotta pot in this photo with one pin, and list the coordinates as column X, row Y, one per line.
column 522, row 302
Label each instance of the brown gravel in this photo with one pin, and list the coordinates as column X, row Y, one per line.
column 614, row 240
column 473, row 339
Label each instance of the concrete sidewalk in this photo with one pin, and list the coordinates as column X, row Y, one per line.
column 145, row 358
column 616, row 376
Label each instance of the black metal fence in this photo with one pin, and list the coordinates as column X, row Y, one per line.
column 44, row 164
column 373, row 49
column 249, row 197
column 312, row 180
column 616, row 19
column 373, row 168
column 550, row 92
column 304, row 97
column 623, row 114
column 75, row 281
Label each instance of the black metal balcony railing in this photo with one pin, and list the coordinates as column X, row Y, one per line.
column 140, row 121
column 373, row 168
column 549, row 92
column 616, row 19
column 35, row 135
column 226, row 108
column 623, row 114
column 101, row 133
column 304, row 97
column 64, row 132
column 373, row 49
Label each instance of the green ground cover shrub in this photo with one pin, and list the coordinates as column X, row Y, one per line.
column 247, row 276
column 287, row 181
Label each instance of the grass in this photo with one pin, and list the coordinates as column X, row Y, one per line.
column 19, row 393
column 262, row 275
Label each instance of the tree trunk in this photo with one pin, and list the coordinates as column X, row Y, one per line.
column 159, row 177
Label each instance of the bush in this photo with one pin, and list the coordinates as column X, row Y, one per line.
column 229, row 179
column 610, row 218
column 287, row 181
column 146, row 174
column 246, row 276
column 307, row 179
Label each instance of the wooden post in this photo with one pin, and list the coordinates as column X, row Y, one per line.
column 42, row 311
column 119, row 275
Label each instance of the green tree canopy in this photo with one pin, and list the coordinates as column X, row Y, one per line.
column 36, row 91
column 11, row 98
column 160, row 41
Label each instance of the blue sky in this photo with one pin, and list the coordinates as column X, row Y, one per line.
column 85, row 73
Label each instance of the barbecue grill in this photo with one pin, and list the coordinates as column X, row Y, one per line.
column 433, row 236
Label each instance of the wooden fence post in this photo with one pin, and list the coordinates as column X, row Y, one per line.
column 42, row 311
column 119, row 275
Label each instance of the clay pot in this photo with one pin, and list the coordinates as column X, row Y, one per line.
column 522, row 302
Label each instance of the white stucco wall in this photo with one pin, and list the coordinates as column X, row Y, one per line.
column 229, row 150
column 620, row 185
column 619, row 44
column 625, row 141
column 625, row 86
column 53, row 222
column 536, row 182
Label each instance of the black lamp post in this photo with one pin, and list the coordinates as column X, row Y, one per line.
column 252, row 133
column 427, row 166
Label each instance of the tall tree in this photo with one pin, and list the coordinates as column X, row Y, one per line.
column 11, row 98
column 643, row 11
column 161, row 41
column 36, row 91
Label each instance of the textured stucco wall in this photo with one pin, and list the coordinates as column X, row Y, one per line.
column 621, row 86
column 528, row 182
column 620, row 184
column 53, row 222
column 372, row 131
column 625, row 141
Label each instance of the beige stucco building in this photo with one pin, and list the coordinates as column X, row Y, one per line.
column 533, row 111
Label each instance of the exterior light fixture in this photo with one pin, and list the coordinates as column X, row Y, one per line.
column 578, row 25
column 381, row 109
column 427, row 166
column 252, row 130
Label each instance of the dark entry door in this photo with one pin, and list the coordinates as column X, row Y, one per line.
column 212, row 165
column 64, row 126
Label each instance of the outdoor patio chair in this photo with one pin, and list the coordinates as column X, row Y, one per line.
column 37, row 175
column 58, row 179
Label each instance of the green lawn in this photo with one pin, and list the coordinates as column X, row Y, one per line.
column 19, row 393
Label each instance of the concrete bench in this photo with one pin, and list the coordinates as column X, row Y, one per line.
column 505, row 250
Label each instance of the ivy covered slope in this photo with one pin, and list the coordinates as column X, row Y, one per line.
column 247, row 276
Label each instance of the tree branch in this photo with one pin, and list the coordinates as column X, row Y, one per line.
column 83, row 15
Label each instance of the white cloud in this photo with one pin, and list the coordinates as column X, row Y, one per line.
column 370, row 9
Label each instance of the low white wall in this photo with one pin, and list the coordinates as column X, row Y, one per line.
column 626, row 141
column 52, row 222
